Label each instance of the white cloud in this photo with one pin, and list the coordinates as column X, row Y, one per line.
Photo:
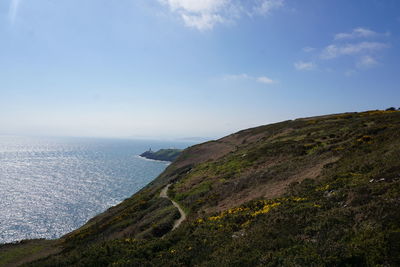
column 13, row 10
column 301, row 65
column 362, row 52
column 357, row 33
column 366, row 62
column 202, row 21
column 265, row 80
column 334, row 51
column 195, row 6
column 244, row 76
column 308, row 49
column 266, row 6
column 205, row 14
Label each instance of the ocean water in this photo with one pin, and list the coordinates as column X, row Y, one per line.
column 51, row 186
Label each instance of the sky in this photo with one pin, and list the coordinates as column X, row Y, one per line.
column 166, row 69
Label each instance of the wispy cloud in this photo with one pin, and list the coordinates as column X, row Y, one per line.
column 205, row 14
column 333, row 50
column 13, row 10
column 203, row 21
column 357, row 33
column 301, row 65
column 243, row 76
column 308, row 49
column 360, row 45
column 266, row 6
column 195, row 5
column 265, row 80
column 366, row 62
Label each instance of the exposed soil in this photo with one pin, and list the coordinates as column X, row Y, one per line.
column 271, row 189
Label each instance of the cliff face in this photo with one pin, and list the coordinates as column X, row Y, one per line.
column 315, row 191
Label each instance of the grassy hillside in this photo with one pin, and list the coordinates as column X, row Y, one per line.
column 322, row 191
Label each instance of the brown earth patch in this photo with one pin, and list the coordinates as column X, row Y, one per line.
column 272, row 189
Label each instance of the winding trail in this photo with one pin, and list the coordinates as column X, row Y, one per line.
column 164, row 194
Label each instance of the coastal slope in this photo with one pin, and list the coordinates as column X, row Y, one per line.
column 321, row 191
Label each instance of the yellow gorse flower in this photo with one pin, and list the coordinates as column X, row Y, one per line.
column 265, row 209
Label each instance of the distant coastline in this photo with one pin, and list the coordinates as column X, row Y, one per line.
column 168, row 155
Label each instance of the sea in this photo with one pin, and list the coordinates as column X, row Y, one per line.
column 51, row 186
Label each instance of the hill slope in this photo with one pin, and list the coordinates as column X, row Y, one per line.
column 309, row 192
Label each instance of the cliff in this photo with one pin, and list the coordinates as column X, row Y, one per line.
column 321, row 191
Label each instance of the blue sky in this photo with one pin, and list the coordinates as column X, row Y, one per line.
column 183, row 68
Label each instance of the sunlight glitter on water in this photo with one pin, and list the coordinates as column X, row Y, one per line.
column 49, row 187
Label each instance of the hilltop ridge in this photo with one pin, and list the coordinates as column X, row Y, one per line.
column 307, row 192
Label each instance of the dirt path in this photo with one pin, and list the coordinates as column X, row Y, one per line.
column 164, row 194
